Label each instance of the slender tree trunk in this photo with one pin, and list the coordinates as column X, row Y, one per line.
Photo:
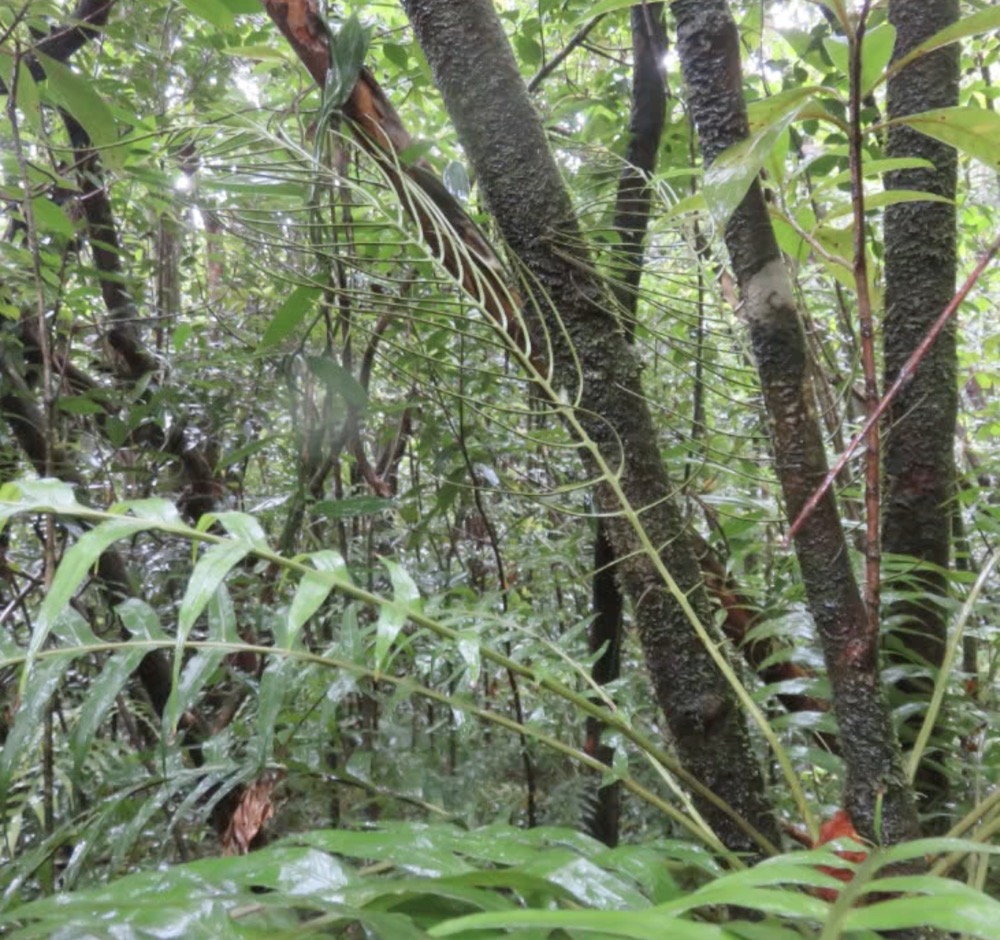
column 919, row 282
column 594, row 366
column 649, row 101
column 708, row 43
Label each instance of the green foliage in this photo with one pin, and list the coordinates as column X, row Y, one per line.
column 395, row 655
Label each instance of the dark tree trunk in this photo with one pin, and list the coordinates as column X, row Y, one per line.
column 919, row 282
column 708, row 44
column 649, row 100
column 594, row 366
column 605, row 634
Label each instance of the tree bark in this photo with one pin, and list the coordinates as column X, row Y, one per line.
column 594, row 366
column 632, row 204
column 708, row 44
column 920, row 268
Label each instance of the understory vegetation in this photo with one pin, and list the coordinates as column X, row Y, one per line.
column 484, row 469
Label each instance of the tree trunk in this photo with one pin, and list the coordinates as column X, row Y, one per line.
column 919, row 281
column 594, row 367
column 708, row 44
column 649, row 101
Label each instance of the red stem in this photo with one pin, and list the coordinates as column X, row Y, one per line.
column 905, row 374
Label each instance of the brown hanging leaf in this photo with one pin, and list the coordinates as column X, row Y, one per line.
column 251, row 814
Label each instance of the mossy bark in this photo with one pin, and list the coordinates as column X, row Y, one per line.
column 594, row 367
column 708, row 45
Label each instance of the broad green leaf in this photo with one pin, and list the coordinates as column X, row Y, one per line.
column 919, row 848
column 216, row 12
column 206, row 579
column 243, row 526
column 969, row 913
column 155, row 509
column 354, row 506
column 396, row 54
column 876, row 51
column 191, row 679
column 348, row 47
column 888, row 197
column 276, row 683
column 50, row 219
column 140, row 619
column 733, row 171
column 392, row 617
column 873, row 168
column 601, row 8
column 28, row 99
column 78, row 97
column 290, row 314
column 312, row 592
column 213, row 566
column 974, row 131
column 631, row 925
column 39, row 496
column 239, row 7
column 981, row 21
column 339, row 380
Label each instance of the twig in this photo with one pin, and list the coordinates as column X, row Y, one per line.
column 546, row 70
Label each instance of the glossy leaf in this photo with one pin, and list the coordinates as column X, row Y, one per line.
column 974, row 131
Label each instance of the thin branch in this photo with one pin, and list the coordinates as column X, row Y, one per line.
column 905, row 374
column 546, row 70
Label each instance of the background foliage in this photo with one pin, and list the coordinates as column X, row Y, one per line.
column 368, row 548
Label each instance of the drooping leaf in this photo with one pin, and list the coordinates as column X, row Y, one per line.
column 77, row 96
column 101, row 695
column 50, row 218
column 216, row 12
column 974, row 131
column 876, row 51
column 732, row 172
column 339, row 380
column 348, row 48
column 888, row 197
column 290, row 314
column 313, row 591
column 981, row 21
column 392, row 617
column 76, row 564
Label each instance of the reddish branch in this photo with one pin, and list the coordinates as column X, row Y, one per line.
column 905, row 374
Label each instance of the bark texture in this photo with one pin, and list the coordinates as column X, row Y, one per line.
column 708, row 44
column 920, row 269
column 632, row 204
column 593, row 363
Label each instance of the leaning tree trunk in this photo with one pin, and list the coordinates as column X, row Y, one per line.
column 708, row 44
column 919, row 282
column 591, row 361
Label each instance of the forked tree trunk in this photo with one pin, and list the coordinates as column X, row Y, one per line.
column 595, row 368
column 708, row 44
column 919, row 282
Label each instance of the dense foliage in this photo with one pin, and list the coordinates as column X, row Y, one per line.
column 297, row 575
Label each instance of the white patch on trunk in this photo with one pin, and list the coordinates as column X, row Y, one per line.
column 768, row 297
